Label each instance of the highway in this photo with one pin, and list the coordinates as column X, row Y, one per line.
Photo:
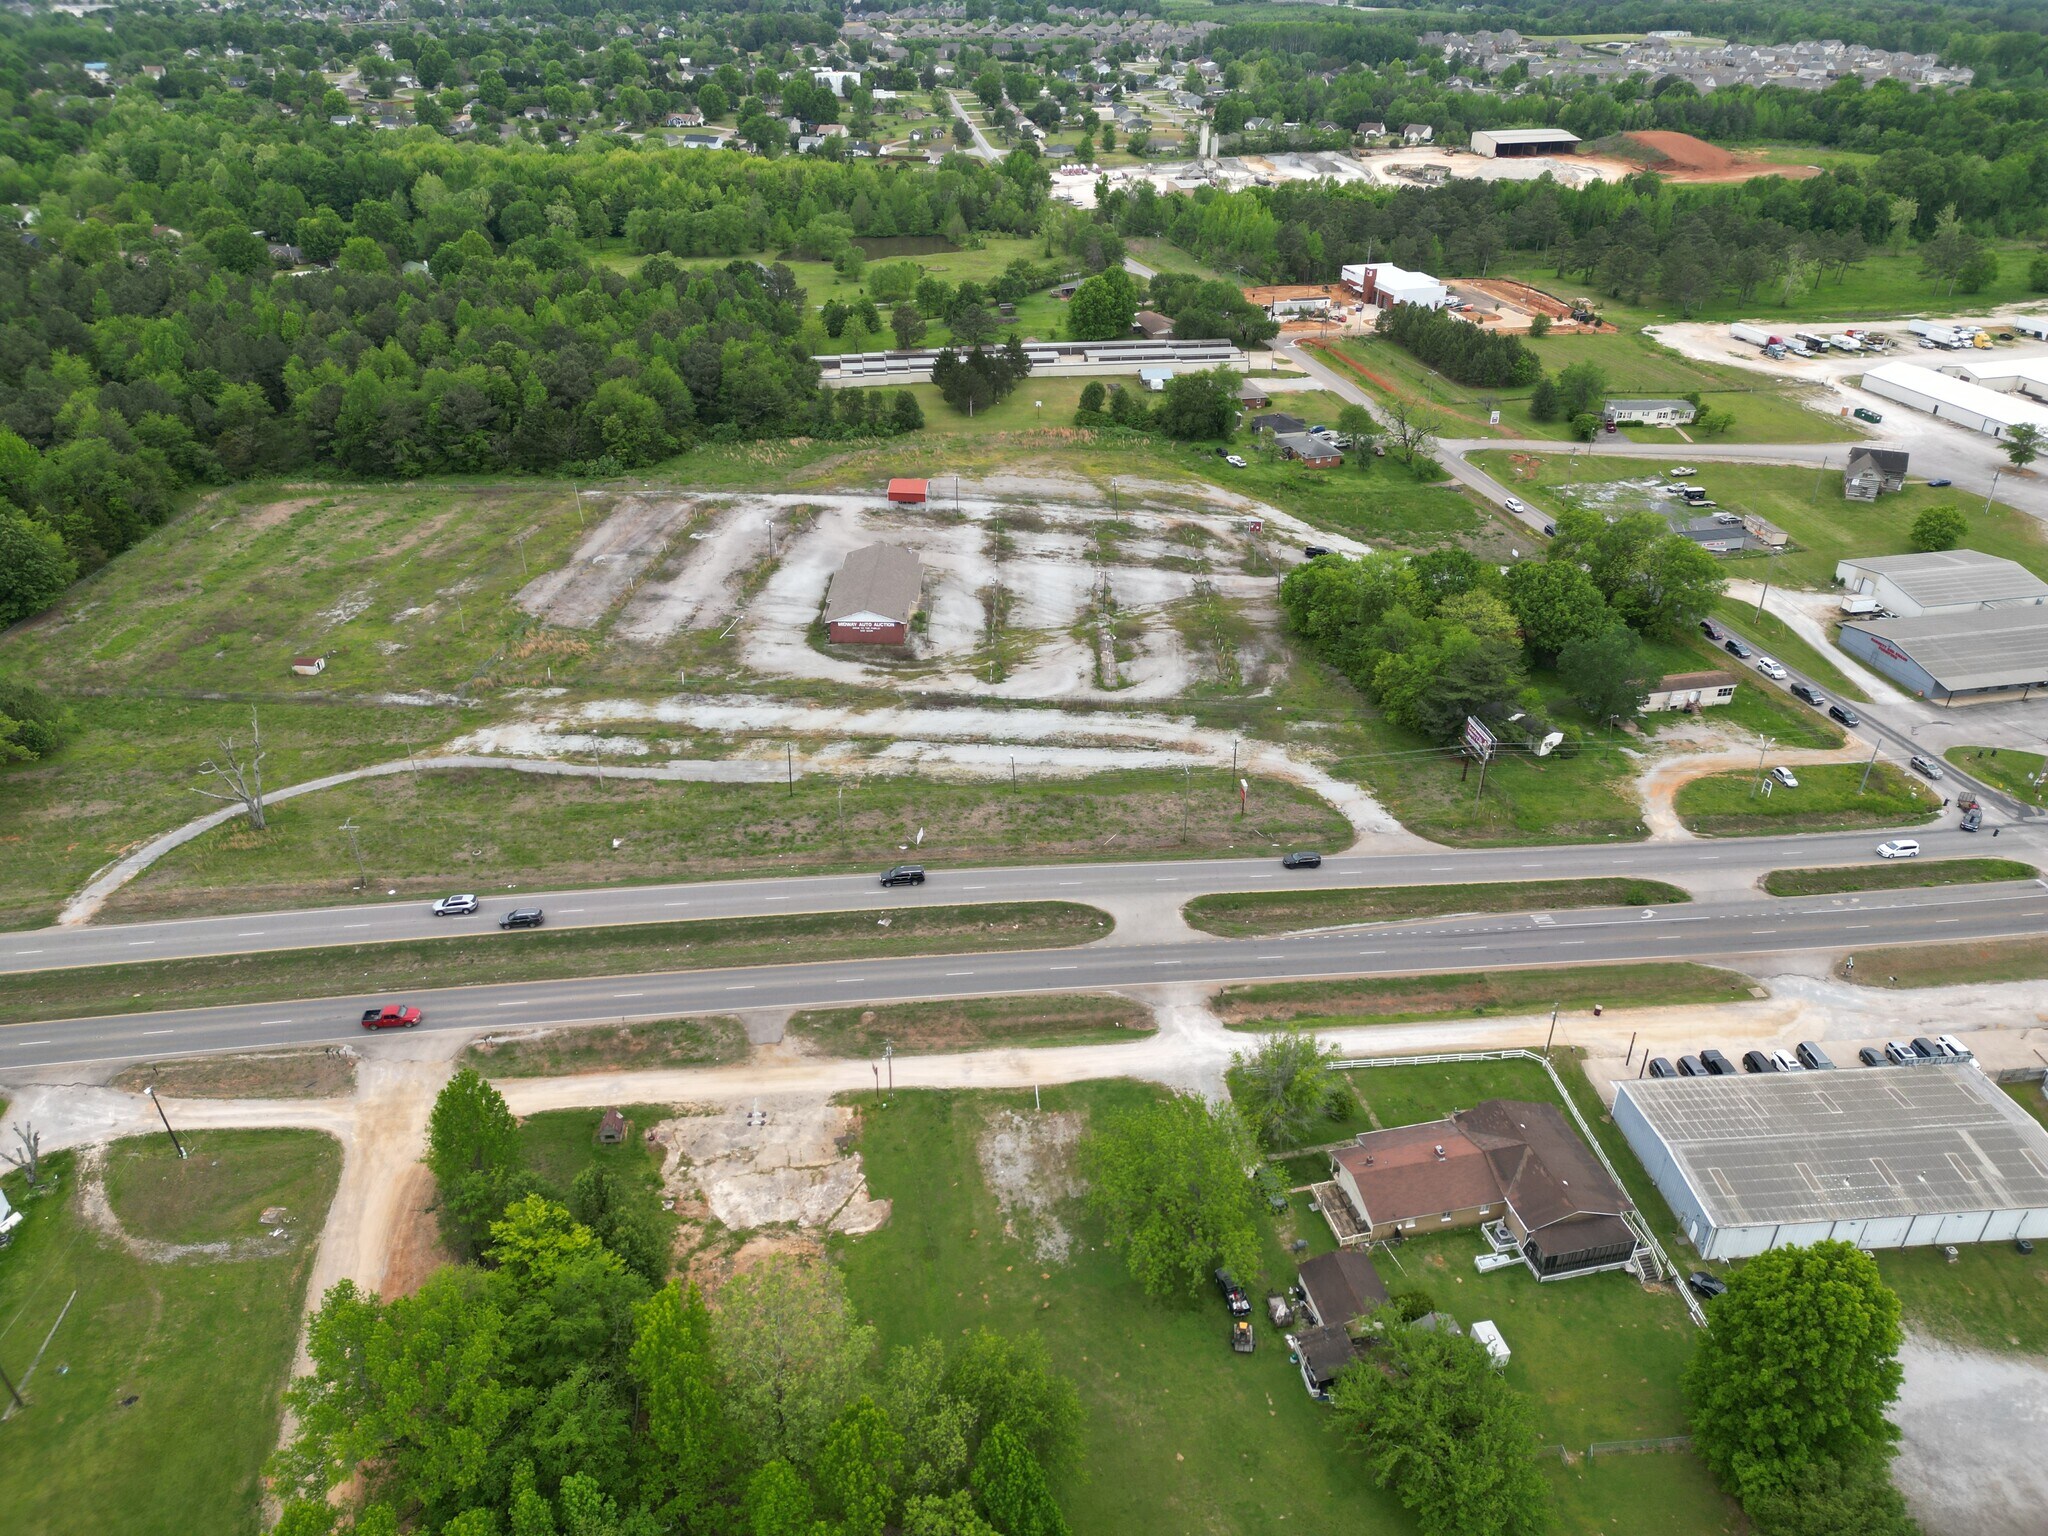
column 1715, row 863
column 1746, row 926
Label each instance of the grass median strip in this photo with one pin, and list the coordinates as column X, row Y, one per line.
column 1410, row 999
column 2019, row 774
column 705, row 1042
column 389, row 970
column 1828, row 799
column 972, row 1024
column 325, row 1073
column 1249, row 914
column 1902, row 874
column 1947, row 965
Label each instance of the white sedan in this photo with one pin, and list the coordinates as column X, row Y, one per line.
column 1899, row 848
column 1786, row 777
column 1233, row 461
column 1770, row 668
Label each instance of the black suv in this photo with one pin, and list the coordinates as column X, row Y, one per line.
column 904, row 874
column 521, row 917
column 1302, row 861
column 1735, row 647
column 1716, row 1064
column 1845, row 714
column 1706, row 1286
column 1807, row 693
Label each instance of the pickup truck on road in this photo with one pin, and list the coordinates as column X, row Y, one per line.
column 391, row 1016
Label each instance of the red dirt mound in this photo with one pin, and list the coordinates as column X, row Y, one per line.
column 1685, row 152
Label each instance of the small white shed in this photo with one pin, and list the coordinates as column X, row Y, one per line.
column 1496, row 1346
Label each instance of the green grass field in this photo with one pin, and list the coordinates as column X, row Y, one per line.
column 1897, row 875
column 1244, row 914
column 1731, row 805
column 339, row 972
column 1886, row 286
column 559, row 1144
column 1476, row 994
column 1186, row 1437
column 494, row 830
column 1806, row 503
column 159, row 1393
column 2017, row 773
column 699, row 1042
column 1633, row 364
column 1992, row 1296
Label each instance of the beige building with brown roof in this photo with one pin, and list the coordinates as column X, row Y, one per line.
column 874, row 596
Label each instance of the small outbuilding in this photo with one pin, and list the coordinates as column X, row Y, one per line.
column 1485, row 1333
column 910, row 492
column 1341, row 1287
column 1253, row 396
column 1324, row 1353
column 874, row 596
column 309, row 666
column 1152, row 325
column 611, row 1128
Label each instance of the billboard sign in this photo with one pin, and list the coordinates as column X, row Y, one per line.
column 1479, row 741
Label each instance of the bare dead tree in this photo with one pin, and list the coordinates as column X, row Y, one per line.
column 241, row 771
column 30, row 1158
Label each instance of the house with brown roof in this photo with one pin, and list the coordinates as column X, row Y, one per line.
column 1155, row 326
column 873, row 596
column 1504, row 1161
column 1341, row 1287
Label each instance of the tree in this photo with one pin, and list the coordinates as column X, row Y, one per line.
column 1585, row 426
column 1797, row 1369
column 2037, row 275
column 1556, row 604
column 1833, row 1497
column 680, row 1393
column 1284, row 1085
column 1949, row 252
column 30, row 1158
column 473, row 1152
column 972, row 324
column 1361, row 426
column 1431, row 685
column 906, row 415
column 857, row 1468
column 1199, row 406
column 361, row 256
column 1711, row 423
column 2023, row 444
column 1437, row 1424
column 34, row 566
column 1608, row 674
column 1170, row 1181
column 1010, row 1486
column 936, row 1424
column 1092, row 397
column 790, row 1352
column 1008, row 1379
column 908, row 324
column 1103, row 307
column 1539, row 326
column 1544, row 404
column 1580, row 388
column 241, row 770
column 778, row 1502
column 1940, row 528
column 927, row 1514
column 1413, row 428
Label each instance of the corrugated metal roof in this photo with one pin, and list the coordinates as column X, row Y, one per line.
column 1984, row 648
column 1849, row 1145
column 2006, row 410
column 1527, row 135
column 1944, row 578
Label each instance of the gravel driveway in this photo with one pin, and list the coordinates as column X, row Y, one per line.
column 1971, row 1462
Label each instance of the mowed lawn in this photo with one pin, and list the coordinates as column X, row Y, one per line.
column 1806, row 503
column 1184, row 1436
column 157, row 1400
column 1827, row 800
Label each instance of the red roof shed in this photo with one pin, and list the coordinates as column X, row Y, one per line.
column 907, row 490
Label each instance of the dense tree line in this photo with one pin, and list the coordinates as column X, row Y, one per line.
column 1433, row 638
column 557, row 1383
column 1458, row 349
column 981, row 378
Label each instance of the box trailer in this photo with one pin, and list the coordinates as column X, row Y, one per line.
column 1755, row 335
column 1942, row 333
column 2035, row 326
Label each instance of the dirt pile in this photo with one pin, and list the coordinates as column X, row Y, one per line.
column 779, row 1163
column 1028, row 1164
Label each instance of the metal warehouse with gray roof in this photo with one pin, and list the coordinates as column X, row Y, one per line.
column 1957, row 657
column 1882, row 1157
column 1942, row 581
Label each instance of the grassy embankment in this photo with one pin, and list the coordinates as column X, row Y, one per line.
column 1948, row 965
column 2003, row 768
column 1245, row 914
column 972, row 1024
column 1778, row 639
column 1898, row 875
column 700, row 1042
column 1476, row 994
column 418, row 965
column 159, row 1392
column 1827, row 800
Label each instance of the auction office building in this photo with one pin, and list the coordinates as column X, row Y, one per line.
column 1969, row 626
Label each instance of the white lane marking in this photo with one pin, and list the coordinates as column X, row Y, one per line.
column 675, row 903
column 959, row 973
column 1848, row 926
column 1474, row 946
column 355, row 925
column 1269, row 957
column 1940, row 920
column 1566, row 943
column 31, row 1042
column 568, row 909
column 748, row 988
column 140, row 943
column 148, row 1032
column 253, row 933
column 1070, row 882
column 973, row 887
column 848, row 980
column 513, row 1004
column 629, row 994
column 1169, row 962
column 1166, row 880
column 1372, row 951
column 266, row 1023
column 1063, row 967
column 28, row 951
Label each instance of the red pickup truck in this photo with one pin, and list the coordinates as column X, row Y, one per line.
column 390, row 1016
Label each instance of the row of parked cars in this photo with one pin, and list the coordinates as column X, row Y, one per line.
column 1809, row 1057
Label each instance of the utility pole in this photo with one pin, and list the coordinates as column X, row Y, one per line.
column 1821, row 470
column 1553, row 1030
column 356, row 847
column 789, row 768
column 1994, row 488
column 842, row 810
column 1866, row 769
column 889, row 1055
column 1760, row 751
column 1185, row 773
column 11, row 1391
column 159, row 1103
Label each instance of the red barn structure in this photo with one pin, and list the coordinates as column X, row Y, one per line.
column 911, row 492
column 873, row 596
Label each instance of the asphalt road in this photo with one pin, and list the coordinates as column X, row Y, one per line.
column 1713, row 930
column 1719, row 861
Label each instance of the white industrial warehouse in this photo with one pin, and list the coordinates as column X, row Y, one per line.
column 1882, row 1157
column 1506, row 143
column 1941, row 582
column 1990, row 411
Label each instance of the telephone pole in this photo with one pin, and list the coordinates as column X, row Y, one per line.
column 150, row 1092
column 356, row 847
